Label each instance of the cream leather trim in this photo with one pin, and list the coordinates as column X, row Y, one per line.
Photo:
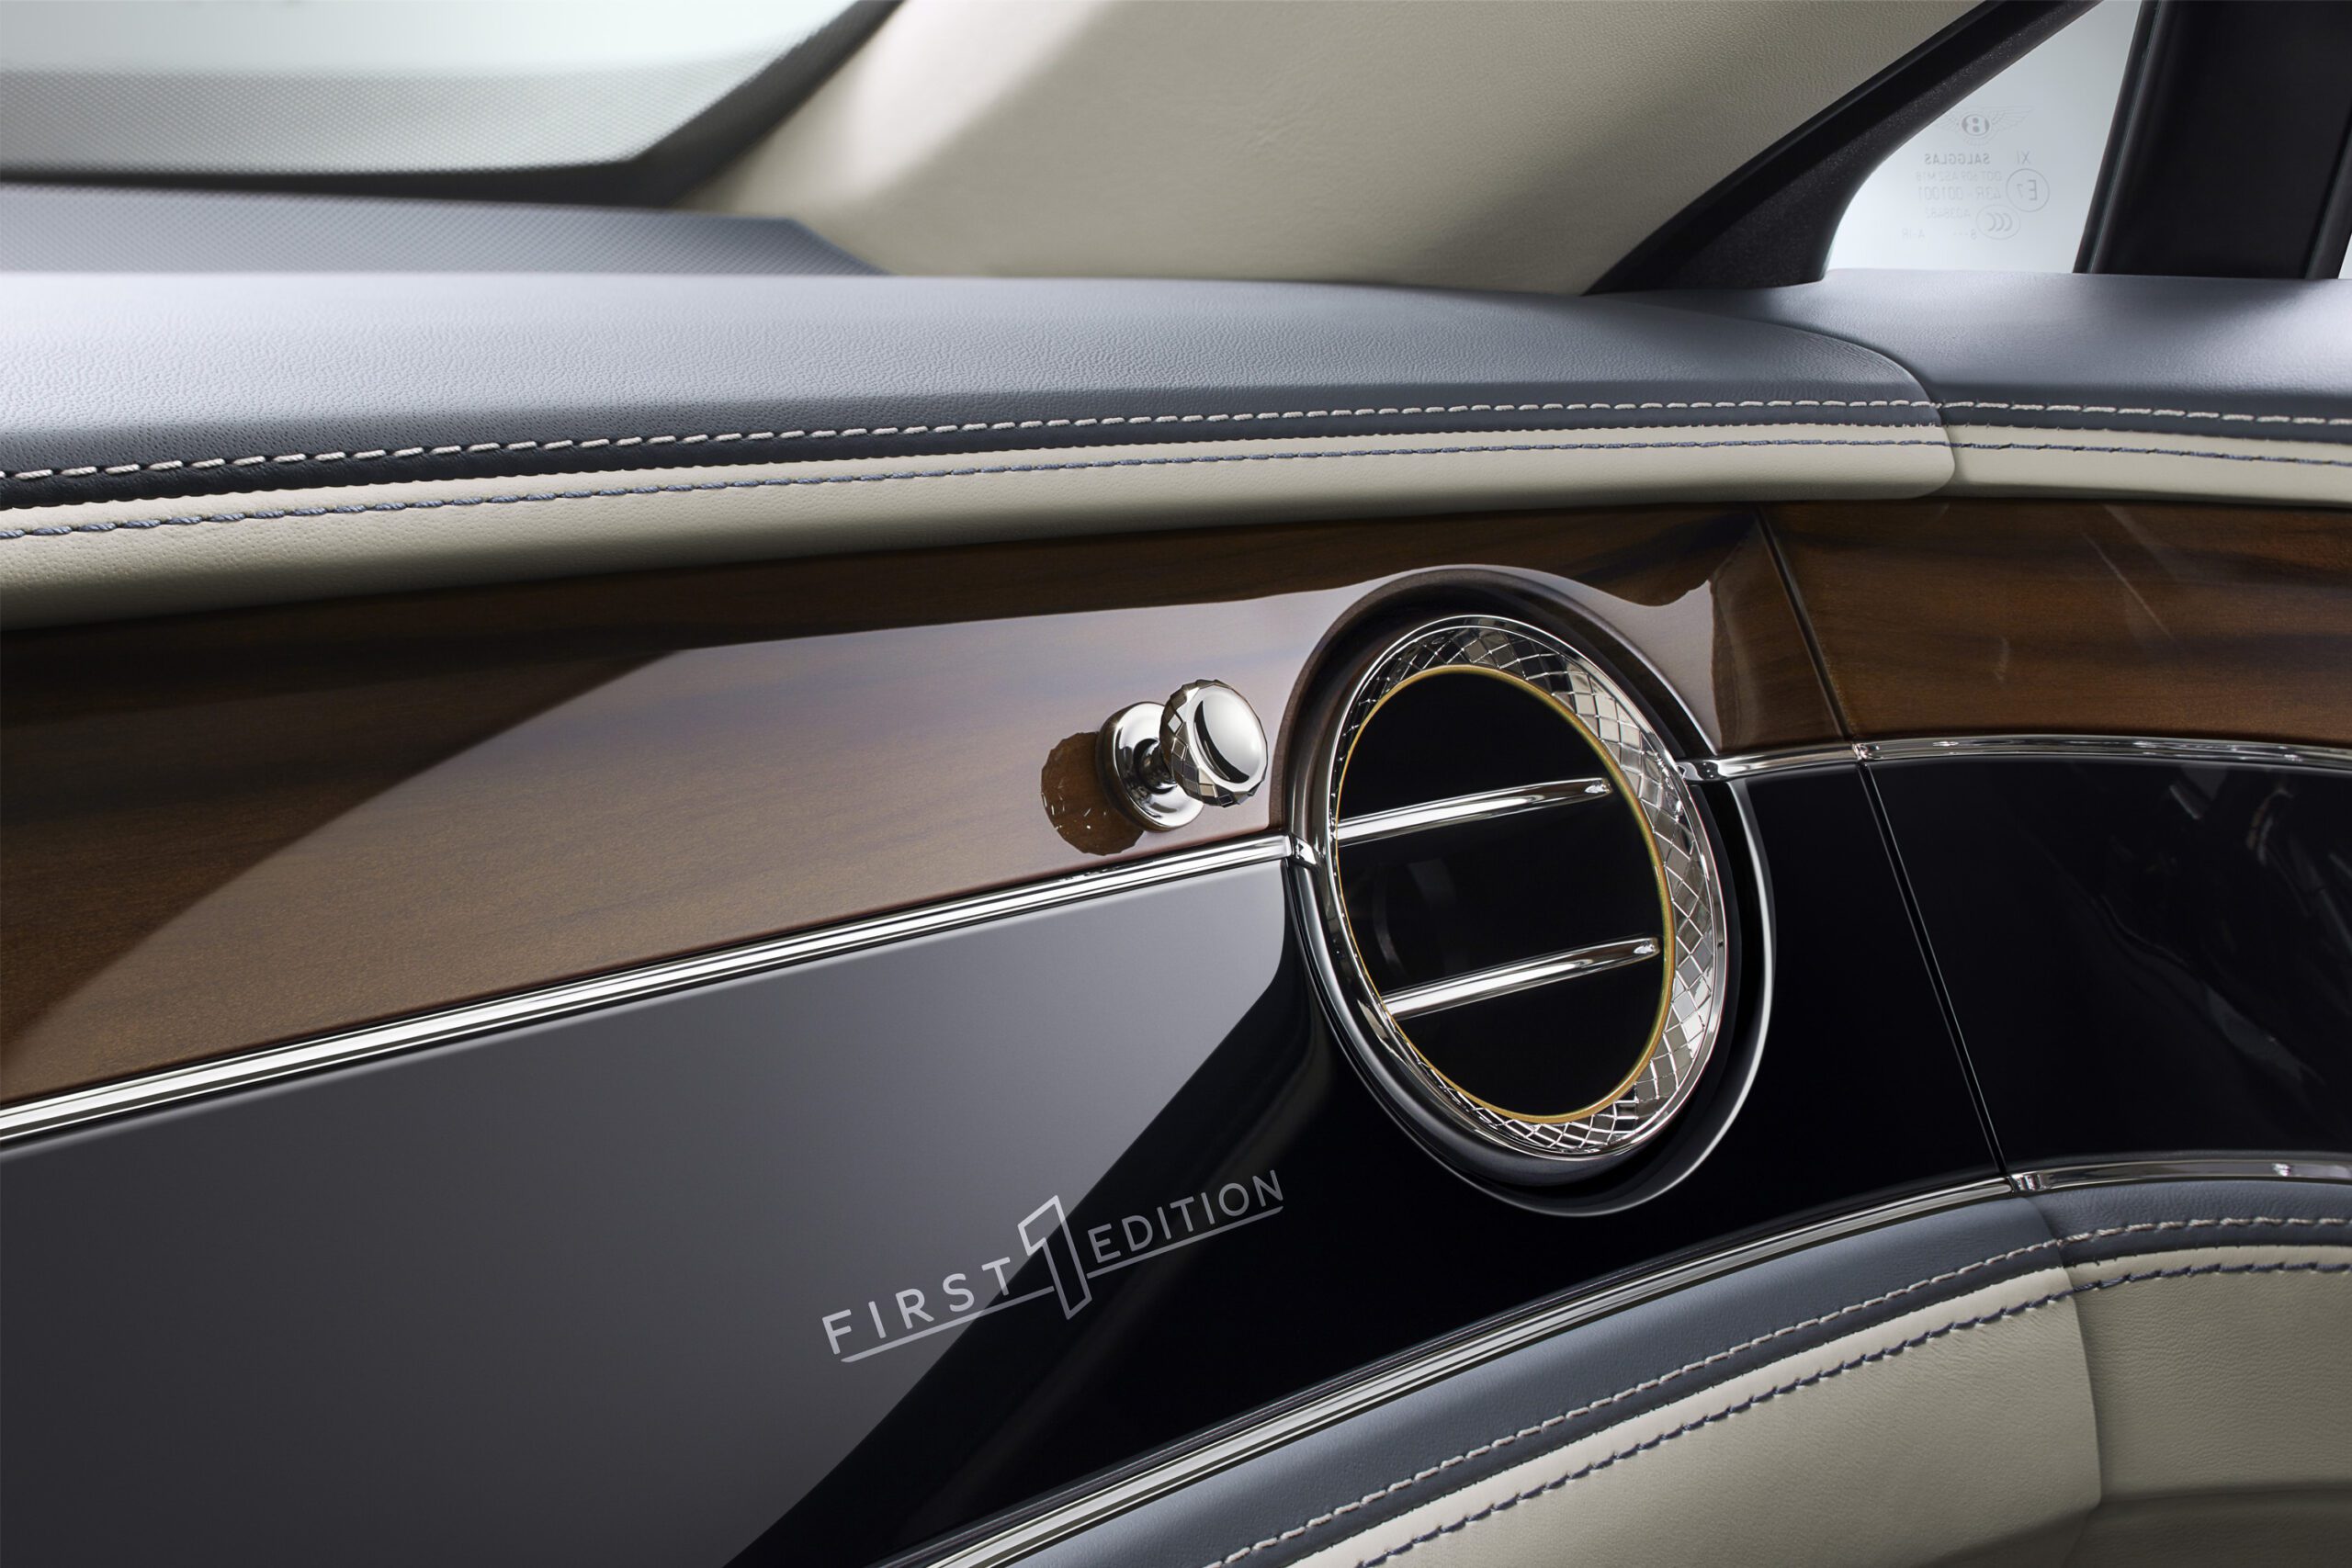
column 2007, row 460
column 2275, row 1529
column 2218, row 1381
column 1475, row 144
column 1956, row 1426
column 1994, row 1426
column 100, row 561
column 119, row 559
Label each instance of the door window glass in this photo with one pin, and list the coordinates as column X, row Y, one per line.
column 2002, row 180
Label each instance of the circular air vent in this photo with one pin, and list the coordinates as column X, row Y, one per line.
column 1523, row 923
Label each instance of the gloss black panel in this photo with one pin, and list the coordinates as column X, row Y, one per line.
column 1380, row 1249
column 724, row 1267
column 560, row 1296
column 2145, row 959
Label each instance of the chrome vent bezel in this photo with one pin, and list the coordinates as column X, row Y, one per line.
column 1695, row 1004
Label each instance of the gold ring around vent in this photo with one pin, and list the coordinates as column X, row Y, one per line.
column 1691, row 954
column 1649, row 846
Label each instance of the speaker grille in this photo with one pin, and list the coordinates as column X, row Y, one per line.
column 1523, row 922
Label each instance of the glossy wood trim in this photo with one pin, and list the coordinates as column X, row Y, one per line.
column 1959, row 617
column 225, row 831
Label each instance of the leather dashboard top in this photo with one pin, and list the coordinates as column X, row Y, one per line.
column 115, row 386
column 176, row 440
column 2204, row 355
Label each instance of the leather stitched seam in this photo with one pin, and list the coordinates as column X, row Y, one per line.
column 1813, row 1379
column 2143, row 1227
column 953, row 427
column 268, row 513
column 2080, row 427
column 2148, row 452
column 2146, row 413
column 597, row 442
column 780, row 481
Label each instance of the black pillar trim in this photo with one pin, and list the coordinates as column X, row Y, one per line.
column 2231, row 154
column 1769, row 222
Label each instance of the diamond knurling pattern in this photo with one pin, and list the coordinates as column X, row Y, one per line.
column 1694, row 1002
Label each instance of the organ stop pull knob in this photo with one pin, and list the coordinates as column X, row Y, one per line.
column 1204, row 746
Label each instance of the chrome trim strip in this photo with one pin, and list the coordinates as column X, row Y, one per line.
column 1509, row 979
column 174, row 1085
column 2056, row 1177
column 1485, row 807
column 2255, row 753
column 1433, row 1366
column 1796, row 759
column 2125, row 748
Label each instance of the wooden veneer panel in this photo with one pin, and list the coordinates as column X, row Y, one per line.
column 2079, row 618
column 219, row 831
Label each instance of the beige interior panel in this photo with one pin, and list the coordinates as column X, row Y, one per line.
column 2213, row 1376
column 2007, row 460
column 2243, row 1530
column 1518, row 144
column 2052, row 1547
column 2184, row 1407
column 278, row 545
column 1913, row 1438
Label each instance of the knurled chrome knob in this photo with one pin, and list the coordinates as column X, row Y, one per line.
column 1212, row 744
column 1164, row 760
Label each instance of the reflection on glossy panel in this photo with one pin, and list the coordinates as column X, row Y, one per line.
column 1378, row 1248
column 603, row 1291
column 222, row 830
column 816, row 1265
column 1939, row 617
column 2147, row 960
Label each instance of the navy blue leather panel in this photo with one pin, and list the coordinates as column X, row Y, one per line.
column 70, row 229
column 2202, row 356
column 2150, row 1216
column 141, row 385
column 1394, row 1457
column 1397, row 1456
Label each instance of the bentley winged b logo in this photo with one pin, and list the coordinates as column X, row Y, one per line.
column 1073, row 1259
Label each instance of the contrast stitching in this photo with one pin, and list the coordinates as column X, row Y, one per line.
column 2144, row 1227
column 1813, row 1379
column 961, row 427
column 2146, row 413
column 1016, row 468
column 432, row 505
column 945, row 428
column 2148, row 452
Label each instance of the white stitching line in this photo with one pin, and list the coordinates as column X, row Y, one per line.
column 2144, row 1227
column 1813, row 1379
column 956, row 428
column 435, row 504
column 1031, row 424
column 2149, row 452
column 2148, row 412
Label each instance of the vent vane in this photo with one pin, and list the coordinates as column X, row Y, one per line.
column 1522, row 915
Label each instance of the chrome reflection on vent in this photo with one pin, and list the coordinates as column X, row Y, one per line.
column 1537, row 960
column 1510, row 978
column 1484, row 805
